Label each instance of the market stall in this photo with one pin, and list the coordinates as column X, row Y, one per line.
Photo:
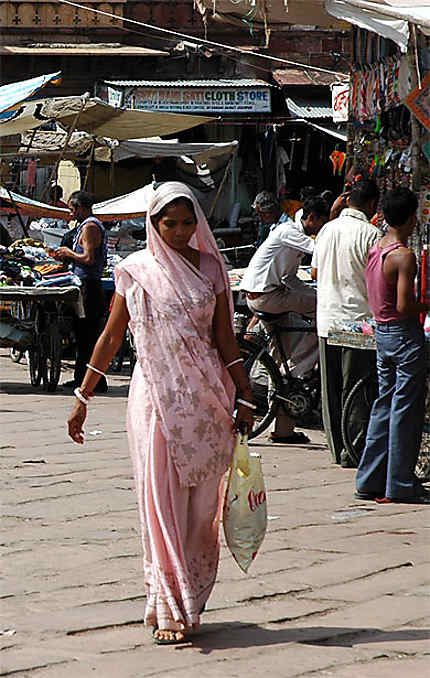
column 39, row 297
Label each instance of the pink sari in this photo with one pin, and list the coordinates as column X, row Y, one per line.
column 179, row 418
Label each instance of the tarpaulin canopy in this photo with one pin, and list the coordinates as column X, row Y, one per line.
column 13, row 94
column 32, row 208
column 390, row 20
column 127, row 206
column 269, row 15
column 145, row 148
column 98, row 118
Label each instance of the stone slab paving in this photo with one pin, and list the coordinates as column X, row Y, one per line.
column 340, row 588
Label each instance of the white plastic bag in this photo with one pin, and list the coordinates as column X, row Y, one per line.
column 245, row 507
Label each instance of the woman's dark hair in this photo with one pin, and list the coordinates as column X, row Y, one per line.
column 82, row 198
column 182, row 200
column 398, row 206
column 317, row 205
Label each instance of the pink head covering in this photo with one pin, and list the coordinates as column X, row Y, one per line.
column 203, row 239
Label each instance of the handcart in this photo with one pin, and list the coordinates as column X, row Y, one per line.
column 362, row 396
column 39, row 321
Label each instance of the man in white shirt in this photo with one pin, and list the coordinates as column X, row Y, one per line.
column 269, row 212
column 339, row 262
column 272, row 286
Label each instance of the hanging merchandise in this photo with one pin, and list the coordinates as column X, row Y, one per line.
column 31, row 174
column 378, row 87
column 338, row 161
column 418, row 102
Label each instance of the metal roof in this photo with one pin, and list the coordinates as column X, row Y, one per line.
column 309, row 108
column 298, row 76
column 240, row 82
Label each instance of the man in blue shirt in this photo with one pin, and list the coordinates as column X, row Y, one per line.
column 88, row 258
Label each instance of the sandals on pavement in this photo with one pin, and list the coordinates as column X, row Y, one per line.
column 167, row 641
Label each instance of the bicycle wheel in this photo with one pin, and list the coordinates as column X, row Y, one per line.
column 265, row 380
column 52, row 350
column 356, row 414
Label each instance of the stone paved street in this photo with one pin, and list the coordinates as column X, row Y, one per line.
column 340, row 588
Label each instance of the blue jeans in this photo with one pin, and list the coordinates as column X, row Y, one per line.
column 397, row 418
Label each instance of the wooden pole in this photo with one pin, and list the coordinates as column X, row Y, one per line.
column 415, row 125
column 89, row 164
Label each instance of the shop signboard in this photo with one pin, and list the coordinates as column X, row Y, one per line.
column 202, row 99
column 340, row 102
column 114, row 97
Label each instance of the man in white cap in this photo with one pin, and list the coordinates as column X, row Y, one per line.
column 270, row 214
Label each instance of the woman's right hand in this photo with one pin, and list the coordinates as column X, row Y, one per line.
column 76, row 421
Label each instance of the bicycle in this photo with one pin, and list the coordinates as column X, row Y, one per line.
column 270, row 388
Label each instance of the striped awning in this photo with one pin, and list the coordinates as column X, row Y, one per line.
column 29, row 207
column 16, row 92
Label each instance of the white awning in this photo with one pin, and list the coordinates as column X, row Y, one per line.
column 98, row 118
column 127, row 206
column 390, row 21
column 332, row 131
column 144, row 148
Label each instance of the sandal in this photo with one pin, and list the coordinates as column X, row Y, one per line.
column 368, row 496
column 294, row 438
column 167, row 641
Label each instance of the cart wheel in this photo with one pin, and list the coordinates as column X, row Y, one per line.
column 355, row 416
column 16, row 355
column 35, row 364
column 52, row 368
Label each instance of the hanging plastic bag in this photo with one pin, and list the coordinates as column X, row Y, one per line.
column 245, row 507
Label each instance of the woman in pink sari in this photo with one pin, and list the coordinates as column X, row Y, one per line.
column 175, row 297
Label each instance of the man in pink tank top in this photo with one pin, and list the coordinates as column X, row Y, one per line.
column 387, row 468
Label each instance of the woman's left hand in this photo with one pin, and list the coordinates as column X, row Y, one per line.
column 244, row 419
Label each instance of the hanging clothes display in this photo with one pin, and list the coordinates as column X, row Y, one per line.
column 31, row 174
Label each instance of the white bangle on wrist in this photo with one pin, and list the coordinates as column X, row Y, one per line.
column 95, row 369
column 80, row 397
